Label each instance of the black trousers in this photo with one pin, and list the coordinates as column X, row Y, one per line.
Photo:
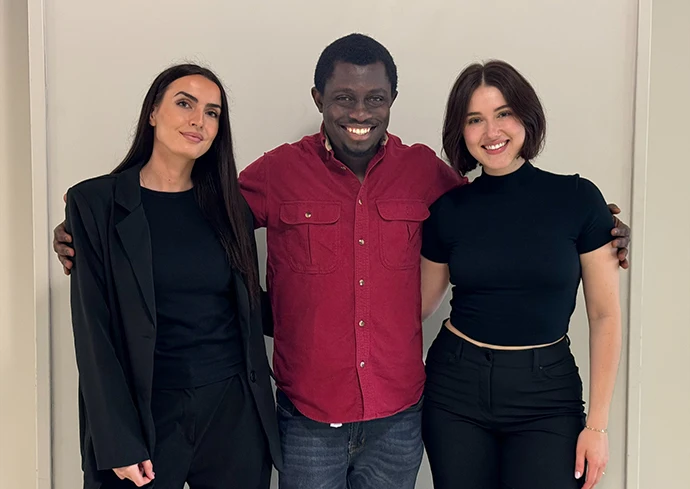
column 496, row 419
column 209, row 437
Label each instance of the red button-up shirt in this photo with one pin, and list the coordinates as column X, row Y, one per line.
column 343, row 273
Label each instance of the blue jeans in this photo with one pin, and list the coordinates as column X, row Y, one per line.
column 378, row 454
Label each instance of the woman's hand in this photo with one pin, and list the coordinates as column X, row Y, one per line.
column 141, row 473
column 592, row 447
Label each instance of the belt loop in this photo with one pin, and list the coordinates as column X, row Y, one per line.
column 535, row 359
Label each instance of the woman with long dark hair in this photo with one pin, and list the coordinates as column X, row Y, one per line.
column 173, row 376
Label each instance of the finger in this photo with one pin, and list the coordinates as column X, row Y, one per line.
column 64, row 198
column 136, row 477
column 66, row 271
column 61, row 234
column 64, row 250
column 614, row 209
column 621, row 243
column 148, row 469
column 625, row 264
column 579, row 464
column 622, row 254
column 600, row 475
column 592, row 474
column 621, row 231
column 143, row 482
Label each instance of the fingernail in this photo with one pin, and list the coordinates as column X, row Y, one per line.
column 578, row 475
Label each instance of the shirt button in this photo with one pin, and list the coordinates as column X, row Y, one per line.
column 361, row 241
column 361, row 323
column 343, row 168
column 361, row 364
column 307, row 215
column 361, row 282
column 359, row 201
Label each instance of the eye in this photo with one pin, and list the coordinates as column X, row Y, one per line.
column 505, row 113
column 183, row 103
column 473, row 120
column 213, row 113
column 344, row 98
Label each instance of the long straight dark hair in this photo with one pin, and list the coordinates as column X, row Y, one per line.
column 214, row 176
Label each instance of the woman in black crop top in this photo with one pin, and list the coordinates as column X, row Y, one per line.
column 166, row 305
column 503, row 398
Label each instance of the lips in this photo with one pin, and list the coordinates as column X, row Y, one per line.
column 496, row 148
column 194, row 137
column 358, row 133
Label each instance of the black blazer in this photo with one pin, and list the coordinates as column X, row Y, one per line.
column 114, row 323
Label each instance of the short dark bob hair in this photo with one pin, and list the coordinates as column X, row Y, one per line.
column 520, row 97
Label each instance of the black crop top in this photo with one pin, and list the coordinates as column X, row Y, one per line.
column 513, row 246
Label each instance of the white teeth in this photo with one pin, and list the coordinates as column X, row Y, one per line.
column 359, row 131
column 496, row 146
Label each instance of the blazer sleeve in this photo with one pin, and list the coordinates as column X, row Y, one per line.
column 266, row 314
column 266, row 311
column 112, row 418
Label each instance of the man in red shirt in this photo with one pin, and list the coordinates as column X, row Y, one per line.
column 343, row 210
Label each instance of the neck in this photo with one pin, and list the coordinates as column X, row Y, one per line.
column 357, row 163
column 167, row 174
column 513, row 167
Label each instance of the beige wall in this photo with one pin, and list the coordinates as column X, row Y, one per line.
column 665, row 257
column 18, row 398
column 265, row 51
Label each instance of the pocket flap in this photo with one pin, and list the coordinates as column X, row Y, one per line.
column 310, row 212
column 402, row 210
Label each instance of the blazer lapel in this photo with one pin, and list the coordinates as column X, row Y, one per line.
column 133, row 230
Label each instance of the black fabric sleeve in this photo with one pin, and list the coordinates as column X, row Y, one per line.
column 112, row 418
column 433, row 246
column 594, row 215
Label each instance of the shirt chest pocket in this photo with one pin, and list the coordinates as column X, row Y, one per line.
column 400, row 232
column 311, row 235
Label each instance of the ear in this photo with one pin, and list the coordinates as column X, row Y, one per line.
column 318, row 99
column 152, row 116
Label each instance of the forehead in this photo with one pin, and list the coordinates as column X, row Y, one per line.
column 198, row 86
column 348, row 76
column 486, row 98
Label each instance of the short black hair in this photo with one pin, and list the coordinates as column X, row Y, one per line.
column 356, row 49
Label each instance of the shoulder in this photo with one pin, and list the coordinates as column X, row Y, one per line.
column 572, row 185
column 449, row 201
column 95, row 191
column 285, row 151
column 285, row 155
column 417, row 153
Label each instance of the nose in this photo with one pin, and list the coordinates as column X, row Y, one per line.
column 360, row 112
column 493, row 129
column 197, row 118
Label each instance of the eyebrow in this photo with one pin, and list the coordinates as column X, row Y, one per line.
column 382, row 91
column 495, row 110
column 196, row 100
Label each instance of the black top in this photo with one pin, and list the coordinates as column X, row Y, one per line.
column 198, row 340
column 513, row 246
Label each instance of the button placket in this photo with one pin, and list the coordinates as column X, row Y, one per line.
column 362, row 324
